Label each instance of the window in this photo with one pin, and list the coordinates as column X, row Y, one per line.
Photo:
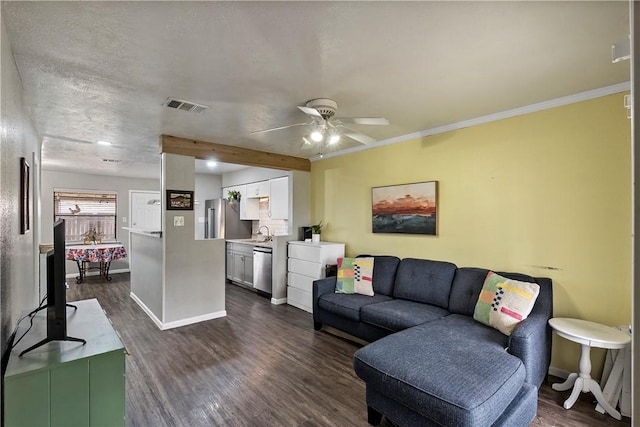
column 84, row 212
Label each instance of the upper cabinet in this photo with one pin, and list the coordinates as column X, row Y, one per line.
column 258, row 189
column 279, row 198
column 248, row 210
column 276, row 189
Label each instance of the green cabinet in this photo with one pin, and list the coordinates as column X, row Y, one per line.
column 65, row 383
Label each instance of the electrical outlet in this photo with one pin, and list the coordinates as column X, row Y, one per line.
column 178, row 221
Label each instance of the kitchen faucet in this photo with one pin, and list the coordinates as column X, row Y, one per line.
column 268, row 233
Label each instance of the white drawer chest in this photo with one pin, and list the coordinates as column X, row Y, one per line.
column 306, row 263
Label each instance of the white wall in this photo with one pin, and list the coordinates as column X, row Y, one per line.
column 75, row 181
column 208, row 186
column 194, row 276
column 18, row 252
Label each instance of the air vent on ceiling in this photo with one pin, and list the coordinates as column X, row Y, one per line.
column 179, row 104
column 111, row 160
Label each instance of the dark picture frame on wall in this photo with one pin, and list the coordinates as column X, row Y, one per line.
column 405, row 208
column 179, row 200
column 25, row 197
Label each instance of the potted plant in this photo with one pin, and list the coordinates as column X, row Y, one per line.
column 315, row 231
column 233, row 196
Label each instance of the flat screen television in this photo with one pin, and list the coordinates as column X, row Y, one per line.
column 56, row 291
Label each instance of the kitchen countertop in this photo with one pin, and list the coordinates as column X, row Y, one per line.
column 252, row 242
column 152, row 233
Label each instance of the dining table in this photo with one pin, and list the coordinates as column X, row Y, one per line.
column 101, row 253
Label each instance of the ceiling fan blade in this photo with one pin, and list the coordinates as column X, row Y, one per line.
column 278, row 128
column 305, row 144
column 360, row 137
column 363, row 120
column 310, row 111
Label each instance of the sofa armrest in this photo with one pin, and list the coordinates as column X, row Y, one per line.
column 321, row 287
column 531, row 342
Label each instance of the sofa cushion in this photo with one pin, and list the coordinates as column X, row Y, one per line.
column 384, row 273
column 348, row 305
column 465, row 289
column 444, row 372
column 503, row 302
column 425, row 281
column 400, row 314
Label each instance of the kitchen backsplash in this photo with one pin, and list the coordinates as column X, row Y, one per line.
column 277, row 227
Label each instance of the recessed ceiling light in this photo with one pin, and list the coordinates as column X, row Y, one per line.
column 212, row 164
column 104, row 143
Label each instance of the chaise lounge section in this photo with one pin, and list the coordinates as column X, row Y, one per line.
column 429, row 362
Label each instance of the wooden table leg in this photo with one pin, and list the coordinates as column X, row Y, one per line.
column 569, row 382
column 81, row 271
column 583, row 382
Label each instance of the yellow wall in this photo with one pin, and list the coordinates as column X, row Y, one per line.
column 547, row 189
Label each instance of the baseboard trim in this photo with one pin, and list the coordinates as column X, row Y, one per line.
column 146, row 309
column 176, row 324
column 278, row 301
column 557, row 372
column 192, row 320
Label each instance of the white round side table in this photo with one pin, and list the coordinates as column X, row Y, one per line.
column 587, row 334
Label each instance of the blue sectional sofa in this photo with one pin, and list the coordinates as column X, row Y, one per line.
column 429, row 363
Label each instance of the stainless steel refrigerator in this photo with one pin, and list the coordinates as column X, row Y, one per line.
column 223, row 221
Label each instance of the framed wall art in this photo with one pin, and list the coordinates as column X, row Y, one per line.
column 25, row 197
column 405, row 208
column 179, row 200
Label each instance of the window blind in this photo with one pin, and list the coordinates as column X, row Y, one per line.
column 84, row 212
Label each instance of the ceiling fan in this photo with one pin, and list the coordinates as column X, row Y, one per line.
column 327, row 128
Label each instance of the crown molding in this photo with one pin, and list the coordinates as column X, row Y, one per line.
column 545, row 105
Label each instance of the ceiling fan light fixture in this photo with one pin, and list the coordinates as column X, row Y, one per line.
column 316, row 135
column 334, row 138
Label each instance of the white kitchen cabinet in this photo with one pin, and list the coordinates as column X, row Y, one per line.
column 249, row 208
column 279, row 198
column 306, row 263
column 258, row 189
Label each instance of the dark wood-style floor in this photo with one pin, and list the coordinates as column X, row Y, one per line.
column 262, row 365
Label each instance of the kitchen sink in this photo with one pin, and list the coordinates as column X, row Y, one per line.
column 252, row 241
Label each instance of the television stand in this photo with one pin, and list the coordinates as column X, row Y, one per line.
column 68, row 384
column 48, row 340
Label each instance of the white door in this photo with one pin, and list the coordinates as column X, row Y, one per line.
column 144, row 208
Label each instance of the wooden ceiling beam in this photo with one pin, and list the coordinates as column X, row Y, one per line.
column 228, row 154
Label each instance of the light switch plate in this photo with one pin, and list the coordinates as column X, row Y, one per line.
column 124, row 219
column 178, row 221
column 201, row 220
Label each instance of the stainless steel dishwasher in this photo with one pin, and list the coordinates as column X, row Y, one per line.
column 262, row 269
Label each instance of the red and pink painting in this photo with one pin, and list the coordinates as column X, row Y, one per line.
column 405, row 208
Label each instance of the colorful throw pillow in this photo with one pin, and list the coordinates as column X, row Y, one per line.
column 344, row 281
column 355, row 275
column 363, row 276
column 503, row 303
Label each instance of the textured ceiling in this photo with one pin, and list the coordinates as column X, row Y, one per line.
column 102, row 70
